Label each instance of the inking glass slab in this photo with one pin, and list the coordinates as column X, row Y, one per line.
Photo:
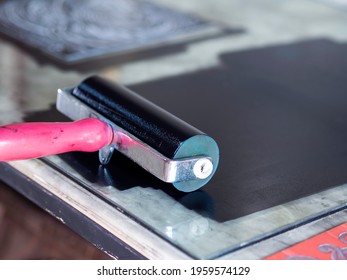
column 73, row 31
column 279, row 116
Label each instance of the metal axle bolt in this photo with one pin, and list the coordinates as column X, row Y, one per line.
column 203, row 168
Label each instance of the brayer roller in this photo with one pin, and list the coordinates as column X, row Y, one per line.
column 111, row 117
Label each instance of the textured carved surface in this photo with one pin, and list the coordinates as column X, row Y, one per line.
column 79, row 29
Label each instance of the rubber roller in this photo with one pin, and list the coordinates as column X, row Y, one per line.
column 164, row 145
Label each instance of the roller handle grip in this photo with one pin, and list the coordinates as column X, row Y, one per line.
column 33, row 140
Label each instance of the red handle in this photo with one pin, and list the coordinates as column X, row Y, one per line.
column 33, row 140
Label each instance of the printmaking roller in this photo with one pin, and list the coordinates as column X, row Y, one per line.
column 110, row 117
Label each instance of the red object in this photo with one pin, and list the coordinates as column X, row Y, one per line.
column 33, row 140
column 329, row 245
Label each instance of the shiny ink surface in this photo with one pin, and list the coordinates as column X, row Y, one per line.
column 279, row 116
